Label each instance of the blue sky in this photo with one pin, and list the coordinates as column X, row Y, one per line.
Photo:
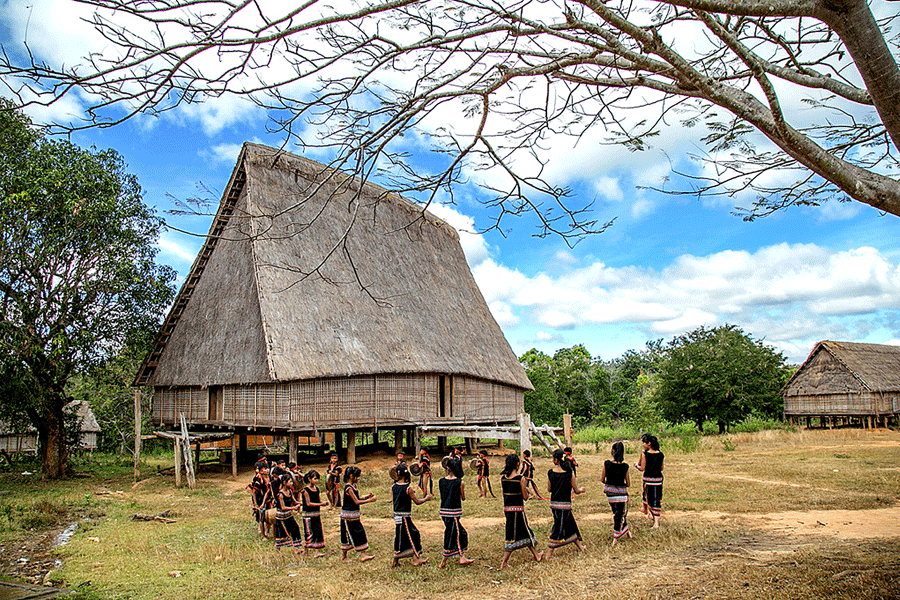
column 668, row 264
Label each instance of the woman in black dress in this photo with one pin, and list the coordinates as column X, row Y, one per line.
column 528, row 473
column 453, row 492
column 312, row 520
column 515, row 492
column 353, row 534
column 407, row 541
column 616, row 481
column 287, row 532
column 562, row 485
column 652, row 466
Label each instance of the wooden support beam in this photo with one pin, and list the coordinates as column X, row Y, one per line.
column 418, row 445
column 234, row 455
column 292, row 447
column 351, row 447
column 524, row 432
column 567, row 429
column 137, row 435
column 442, row 443
column 398, row 440
column 177, row 452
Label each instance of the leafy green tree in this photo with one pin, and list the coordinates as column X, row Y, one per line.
column 630, row 376
column 78, row 277
column 541, row 403
column 721, row 374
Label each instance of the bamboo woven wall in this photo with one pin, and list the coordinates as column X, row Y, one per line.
column 830, row 404
column 364, row 401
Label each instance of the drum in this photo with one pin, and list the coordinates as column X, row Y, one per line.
column 393, row 474
column 445, row 461
column 416, row 469
column 473, row 464
column 270, row 516
column 330, row 481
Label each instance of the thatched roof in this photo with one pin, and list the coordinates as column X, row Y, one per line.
column 876, row 367
column 306, row 276
column 86, row 417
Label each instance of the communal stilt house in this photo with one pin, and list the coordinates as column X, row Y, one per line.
column 845, row 381
column 318, row 305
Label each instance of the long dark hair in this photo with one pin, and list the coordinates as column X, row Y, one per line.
column 654, row 442
column 310, row 475
column 402, row 472
column 559, row 455
column 512, row 464
column 351, row 471
column 618, row 451
column 455, row 466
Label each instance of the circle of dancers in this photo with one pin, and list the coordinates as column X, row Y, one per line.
column 287, row 503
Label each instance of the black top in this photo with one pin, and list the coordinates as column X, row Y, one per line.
column 259, row 487
column 349, row 503
column 402, row 501
column 527, row 469
column 484, row 469
column 615, row 473
column 512, row 491
column 425, row 461
column 653, row 464
column 450, row 493
column 560, row 486
column 286, row 499
column 313, row 497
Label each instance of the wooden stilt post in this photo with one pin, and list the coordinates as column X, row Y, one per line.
column 234, row 455
column 410, row 437
column 524, row 432
column 398, row 440
column 375, row 438
column 442, row 444
column 567, row 429
column 338, row 441
column 137, row 435
column 470, row 445
column 351, row 447
column 292, row 447
column 418, row 435
column 177, row 462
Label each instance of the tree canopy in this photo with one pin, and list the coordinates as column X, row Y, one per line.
column 359, row 76
column 78, row 279
column 719, row 374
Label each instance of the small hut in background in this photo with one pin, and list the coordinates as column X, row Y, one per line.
column 317, row 305
column 842, row 382
column 14, row 441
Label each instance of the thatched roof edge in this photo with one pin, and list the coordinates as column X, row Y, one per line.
column 846, row 354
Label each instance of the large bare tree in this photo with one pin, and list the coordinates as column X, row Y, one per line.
column 523, row 72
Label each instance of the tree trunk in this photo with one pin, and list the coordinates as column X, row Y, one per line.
column 52, row 443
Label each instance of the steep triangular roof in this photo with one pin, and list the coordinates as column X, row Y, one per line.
column 875, row 366
column 305, row 275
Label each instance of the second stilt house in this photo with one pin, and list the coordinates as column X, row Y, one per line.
column 318, row 305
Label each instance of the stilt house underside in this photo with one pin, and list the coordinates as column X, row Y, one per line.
column 845, row 379
column 319, row 305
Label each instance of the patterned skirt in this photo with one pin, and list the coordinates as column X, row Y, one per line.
column 618, row 502
column 287, row 532
column 312, row 530
column 353, row 534
column 456, row 539
column 407, row 541
column 653, row 487
column 518, row 533
column 565, row 529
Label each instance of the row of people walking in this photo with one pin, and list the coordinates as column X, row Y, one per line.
column 562, row 486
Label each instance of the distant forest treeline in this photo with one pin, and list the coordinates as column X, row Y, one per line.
column 719, row 374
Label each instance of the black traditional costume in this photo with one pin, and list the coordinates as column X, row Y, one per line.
column 653, row 481
column 518, row 533
column 456, row 540
column 262, row 497
column 565, row 529
column 425, row 462
column 407, row 541
column 353, row 535
column 312, row 519
column 287, row 532
column 616, row 492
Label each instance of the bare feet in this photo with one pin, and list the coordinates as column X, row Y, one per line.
column 365, row 557
column 419, row 561
column 580, row 546
column 539, row 556
column 320, row 554
column 395, row 563
column 615, row 541
column 443, row 563
column 465, row 561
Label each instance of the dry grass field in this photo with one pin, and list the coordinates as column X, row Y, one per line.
column 773, row 515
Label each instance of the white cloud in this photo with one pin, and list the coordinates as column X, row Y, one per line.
column 181, row 250
column 473, row 243
column 791, row 295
